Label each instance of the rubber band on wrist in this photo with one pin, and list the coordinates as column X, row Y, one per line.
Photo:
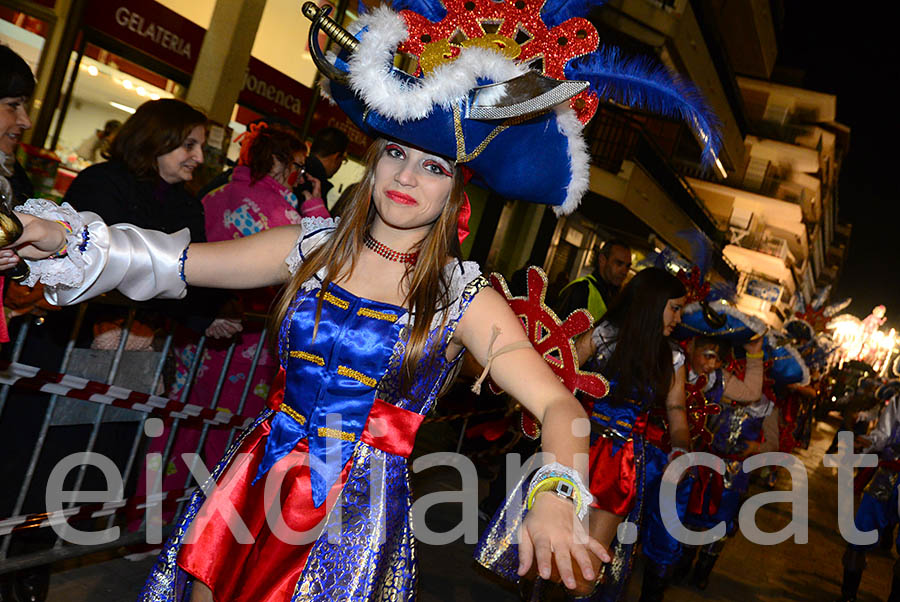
column 64, row 250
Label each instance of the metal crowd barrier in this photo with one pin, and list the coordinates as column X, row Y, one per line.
column 101, row 402
column 103, row 399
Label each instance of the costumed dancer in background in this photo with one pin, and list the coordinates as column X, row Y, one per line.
column 744, row 427
column 645, row 369
column 705, row 385
column 878, row 508
column 377, row 312
column 709, row 323
column 713, row 498
column 631, row 348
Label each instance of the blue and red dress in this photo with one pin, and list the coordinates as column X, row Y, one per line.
column 313, row 501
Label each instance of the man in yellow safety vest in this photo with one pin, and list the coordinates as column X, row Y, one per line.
column 596, row 291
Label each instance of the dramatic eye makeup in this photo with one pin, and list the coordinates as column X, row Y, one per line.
column 395, row 151
column 438, row 168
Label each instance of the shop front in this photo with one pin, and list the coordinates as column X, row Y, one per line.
column 130, row 51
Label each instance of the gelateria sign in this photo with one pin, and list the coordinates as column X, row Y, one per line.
column 150, row 28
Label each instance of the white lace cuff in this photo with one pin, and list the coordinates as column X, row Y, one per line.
column 142, row 264
column 67, row 271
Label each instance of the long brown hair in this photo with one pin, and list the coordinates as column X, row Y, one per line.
column 157, row 127
column 426, row 280
column 641, row 363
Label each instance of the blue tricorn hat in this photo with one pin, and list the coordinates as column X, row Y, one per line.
column 479, row 102
column 786, row 365
column 718, row 320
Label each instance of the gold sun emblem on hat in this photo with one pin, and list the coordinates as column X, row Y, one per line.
column 513, row 28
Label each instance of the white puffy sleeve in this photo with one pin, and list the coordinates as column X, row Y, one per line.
column 142, row 264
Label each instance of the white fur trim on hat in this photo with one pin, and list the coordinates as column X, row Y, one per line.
column 372, row 73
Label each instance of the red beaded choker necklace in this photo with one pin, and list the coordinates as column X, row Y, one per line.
column 388, row 253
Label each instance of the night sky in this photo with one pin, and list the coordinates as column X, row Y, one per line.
column 851, row 50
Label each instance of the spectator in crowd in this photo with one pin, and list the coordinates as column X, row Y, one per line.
column 326, row 155
column 154, row 153
column 16, row 87
column 597, row 290
column 257, row 197
column 94, row 147
column 21, row 418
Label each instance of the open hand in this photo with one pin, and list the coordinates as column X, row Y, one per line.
column 552, row 537
column 224, row 328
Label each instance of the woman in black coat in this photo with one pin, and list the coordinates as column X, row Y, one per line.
column 153, row 154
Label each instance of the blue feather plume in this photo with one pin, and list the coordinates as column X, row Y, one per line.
column 639, row 83
column 556, row 12
column 701, row 248
column 433, row 10
column 721, row 290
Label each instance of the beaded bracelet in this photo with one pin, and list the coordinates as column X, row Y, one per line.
column 181, row 261
column 65, row 247
column 85, row 239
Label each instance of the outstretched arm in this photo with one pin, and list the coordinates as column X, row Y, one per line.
column 551, row 535
column 145, row 263
column 250, row 262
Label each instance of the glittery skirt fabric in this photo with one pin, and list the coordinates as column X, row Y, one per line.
column 269, row 543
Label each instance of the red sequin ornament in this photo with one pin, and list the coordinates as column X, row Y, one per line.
column 552, row 338
column 512, row 27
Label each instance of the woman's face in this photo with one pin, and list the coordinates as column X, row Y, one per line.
column 411, row 186
column 288, row 175
column 179, row 165
column 672, row 314
column 13, row 122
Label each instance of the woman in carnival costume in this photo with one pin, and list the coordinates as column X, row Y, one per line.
column 730, row 423
column 379, row 306
column 745, row 426
column 630, row 347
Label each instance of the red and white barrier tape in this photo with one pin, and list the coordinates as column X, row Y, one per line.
column 131, row 507
column 36, row 379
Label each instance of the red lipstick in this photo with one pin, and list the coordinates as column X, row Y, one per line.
column 400, row 198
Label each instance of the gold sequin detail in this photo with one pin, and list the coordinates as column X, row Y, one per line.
column 366, row 380
column 623, row 424
column 378, row 315
column 293, row 413
column 336, row 301
column 602, row 416
column 309, row 357
column 324, row 431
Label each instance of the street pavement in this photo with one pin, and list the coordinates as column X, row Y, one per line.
column 745, row 571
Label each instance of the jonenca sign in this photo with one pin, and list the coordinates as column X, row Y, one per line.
column 273, row 93
column 156, row 33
